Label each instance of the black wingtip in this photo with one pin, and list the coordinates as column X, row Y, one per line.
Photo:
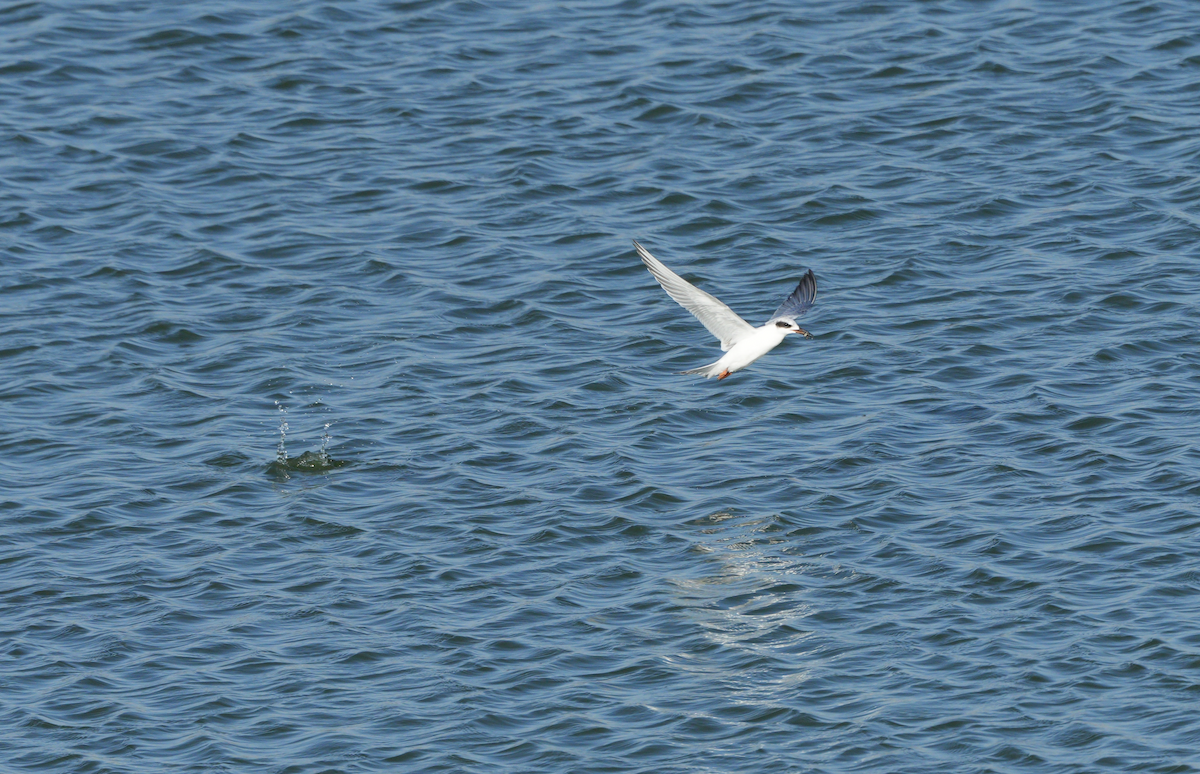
column 801, row 299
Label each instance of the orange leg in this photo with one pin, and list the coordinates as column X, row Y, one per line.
column 723, row 374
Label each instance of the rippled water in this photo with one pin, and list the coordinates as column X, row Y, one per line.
column 342, row 433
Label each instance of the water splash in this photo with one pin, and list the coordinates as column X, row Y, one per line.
column 281, row 455
column 308, row 462
column 324, row 453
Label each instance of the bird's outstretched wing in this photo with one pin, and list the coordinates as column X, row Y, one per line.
column 801, row 299
column 720, row 320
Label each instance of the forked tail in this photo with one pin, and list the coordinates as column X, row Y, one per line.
column 708, row 371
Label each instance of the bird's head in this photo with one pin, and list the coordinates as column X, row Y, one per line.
column 788, row 325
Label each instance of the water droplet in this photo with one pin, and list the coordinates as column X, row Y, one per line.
column 281, row 456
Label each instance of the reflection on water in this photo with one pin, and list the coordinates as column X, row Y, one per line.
column 752, row 604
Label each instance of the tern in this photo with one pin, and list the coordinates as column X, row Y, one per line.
column 741, row 342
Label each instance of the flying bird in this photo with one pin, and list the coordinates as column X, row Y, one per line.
column 741, row 342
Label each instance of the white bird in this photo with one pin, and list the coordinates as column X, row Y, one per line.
column 741, row 342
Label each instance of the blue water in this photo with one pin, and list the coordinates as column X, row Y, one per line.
column 341, row 428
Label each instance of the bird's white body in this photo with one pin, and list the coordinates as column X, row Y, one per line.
column 748, row 349
column 741, row 341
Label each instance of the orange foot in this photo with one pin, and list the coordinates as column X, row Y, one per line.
column 723, row 374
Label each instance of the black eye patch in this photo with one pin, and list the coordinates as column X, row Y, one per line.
column 782, row 324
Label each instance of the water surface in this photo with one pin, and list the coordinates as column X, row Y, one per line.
column 342, row 433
